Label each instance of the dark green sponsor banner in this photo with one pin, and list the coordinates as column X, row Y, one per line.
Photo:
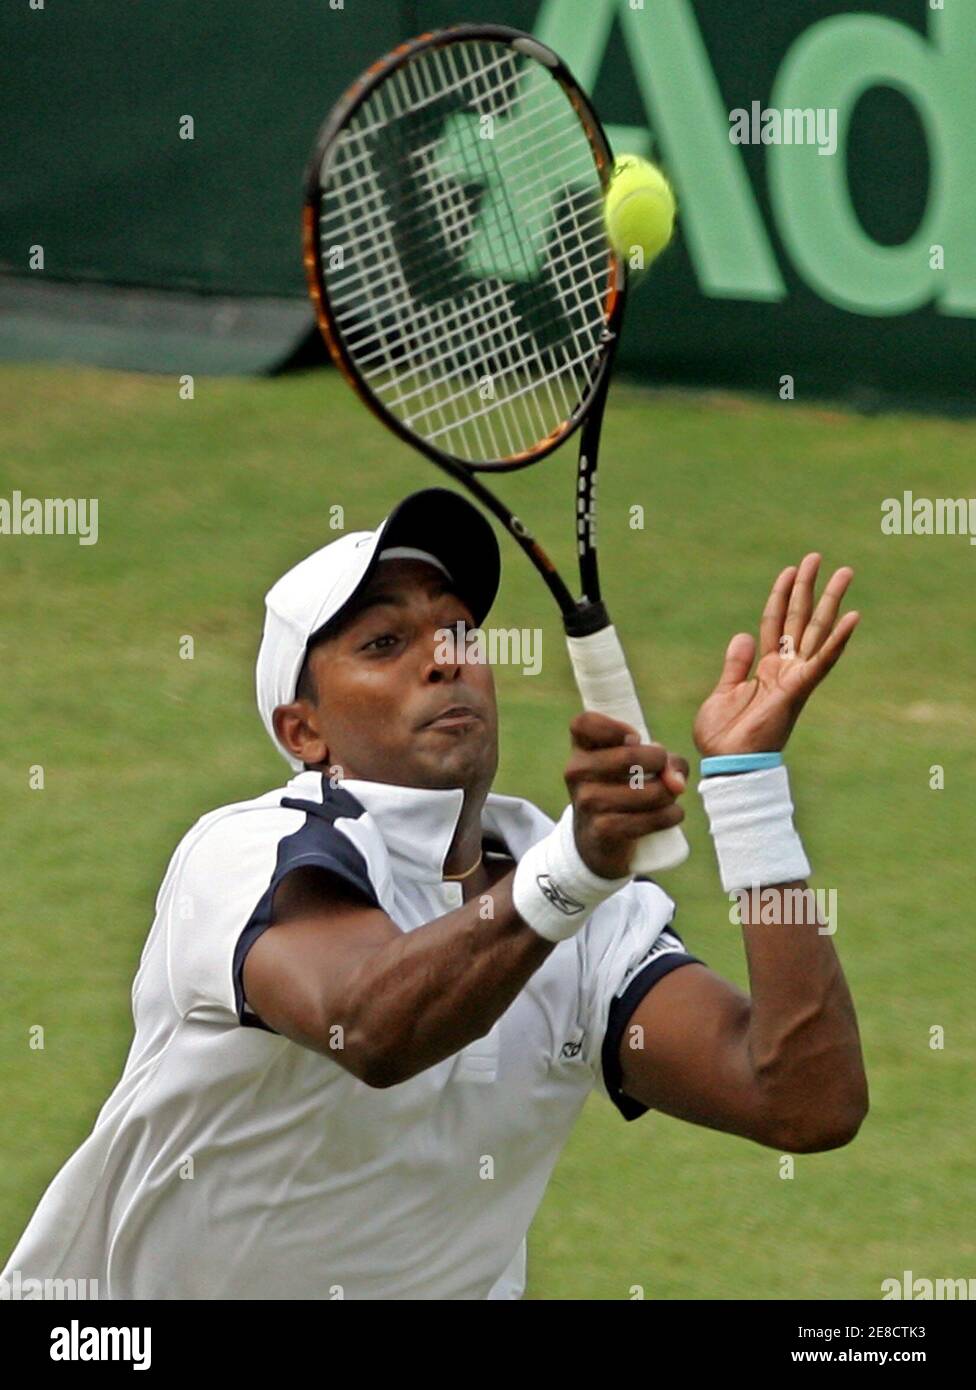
column 824, row 156
column 823, row 152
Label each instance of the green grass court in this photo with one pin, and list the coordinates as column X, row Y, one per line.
column 203, row 503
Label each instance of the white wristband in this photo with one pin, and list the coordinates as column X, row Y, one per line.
column 553, row 890
column 751, row 820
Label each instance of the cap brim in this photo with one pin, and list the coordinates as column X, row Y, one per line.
column 452, row 529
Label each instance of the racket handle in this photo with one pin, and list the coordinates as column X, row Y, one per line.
column 606, row 686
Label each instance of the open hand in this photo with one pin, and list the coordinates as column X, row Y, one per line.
column 798, row 646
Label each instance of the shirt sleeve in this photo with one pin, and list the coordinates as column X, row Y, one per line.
column 629, row 944
column 222, row 896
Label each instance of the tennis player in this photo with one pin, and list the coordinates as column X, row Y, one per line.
column 373, row 1001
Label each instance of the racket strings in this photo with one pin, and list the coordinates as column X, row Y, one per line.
column 513, row 387
column 472, row 288
column 429, row 322
column 516, row 388
column 371, row 207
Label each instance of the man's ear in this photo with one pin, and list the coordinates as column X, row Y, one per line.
column 297, row 728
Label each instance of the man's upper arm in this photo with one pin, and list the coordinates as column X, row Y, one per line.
column 238, row 878
column 299, row 976
column 684, row 1051
column 674, row 1035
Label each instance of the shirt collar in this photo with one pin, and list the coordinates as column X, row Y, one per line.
column 417, row 824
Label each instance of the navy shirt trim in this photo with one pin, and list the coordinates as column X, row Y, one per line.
column 316, row 842
column 622, row 1011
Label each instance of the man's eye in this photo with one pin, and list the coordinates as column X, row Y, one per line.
column 379, row 642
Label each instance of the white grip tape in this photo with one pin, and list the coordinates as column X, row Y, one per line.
column 554, row 891
column 751, row 820
column 606, row 686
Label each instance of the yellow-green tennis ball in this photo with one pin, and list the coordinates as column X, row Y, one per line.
column 640, row 211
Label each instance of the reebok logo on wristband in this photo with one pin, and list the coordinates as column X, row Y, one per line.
column 552, row 891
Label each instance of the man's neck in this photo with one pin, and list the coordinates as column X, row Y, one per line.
column 465, row 850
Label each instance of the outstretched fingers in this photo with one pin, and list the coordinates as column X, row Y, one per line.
column 801, row 600
column 774, row 614
column 822, row 622
column 832, row 650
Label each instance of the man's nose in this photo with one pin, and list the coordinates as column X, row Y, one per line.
column 445, row 655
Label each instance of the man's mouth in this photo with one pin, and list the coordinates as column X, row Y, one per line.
column 454, row 717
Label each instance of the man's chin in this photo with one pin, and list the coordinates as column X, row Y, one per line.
column 458, row 764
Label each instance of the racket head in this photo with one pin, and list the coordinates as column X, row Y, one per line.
column 473, row 313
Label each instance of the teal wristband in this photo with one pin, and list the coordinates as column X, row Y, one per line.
column 740, row 762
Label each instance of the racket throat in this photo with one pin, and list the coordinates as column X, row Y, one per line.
column 587, row 619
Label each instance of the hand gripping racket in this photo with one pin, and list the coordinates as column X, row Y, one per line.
column 462, row 277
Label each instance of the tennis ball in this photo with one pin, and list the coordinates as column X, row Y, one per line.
column 639, row 211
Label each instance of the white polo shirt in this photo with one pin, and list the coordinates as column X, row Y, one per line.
column 232, row 1163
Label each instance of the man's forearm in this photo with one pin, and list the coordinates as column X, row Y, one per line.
column 803, row 1036
column 430, row 992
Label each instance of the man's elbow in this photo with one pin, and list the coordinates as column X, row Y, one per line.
column 376, row 1050
column 386, row 1062
column 381, row 1067
column 375, row 1064
column 380, row 1070
column 821, row 1128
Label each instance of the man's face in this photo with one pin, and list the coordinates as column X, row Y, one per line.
column 382, row 692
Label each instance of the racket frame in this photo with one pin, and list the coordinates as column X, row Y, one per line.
column 581, row 616
column 587, row 617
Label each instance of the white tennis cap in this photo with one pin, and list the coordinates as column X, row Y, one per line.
column 434, row 525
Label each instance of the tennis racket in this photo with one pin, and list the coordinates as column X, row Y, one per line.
column 463, row 280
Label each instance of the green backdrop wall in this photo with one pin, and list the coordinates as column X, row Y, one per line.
column 852, row 271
